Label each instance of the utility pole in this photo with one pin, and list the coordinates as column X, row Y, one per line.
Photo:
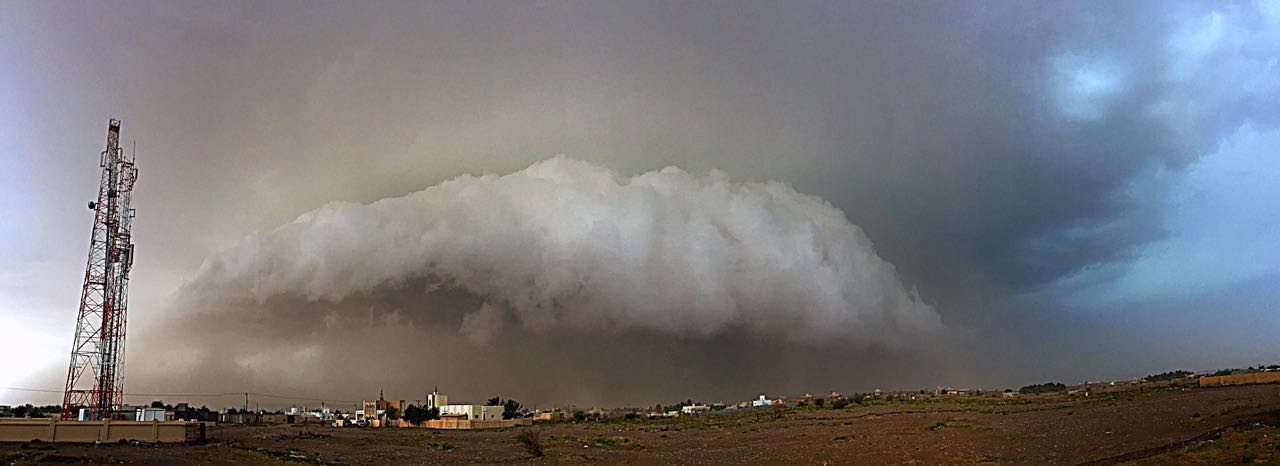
column 246, row 401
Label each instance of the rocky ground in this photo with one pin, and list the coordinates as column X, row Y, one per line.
column 1171, row 425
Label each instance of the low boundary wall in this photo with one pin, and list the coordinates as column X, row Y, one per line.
column 1240, row 379
column 60, row 431
column 469, row 425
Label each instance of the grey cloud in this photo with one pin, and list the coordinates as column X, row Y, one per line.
column 564, row 244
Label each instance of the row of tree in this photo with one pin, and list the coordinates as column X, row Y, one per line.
column 1049, row 387
column 28, row 410
column 1171, row 375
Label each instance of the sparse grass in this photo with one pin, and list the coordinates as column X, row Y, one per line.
column 952, row 422
column 997, row 459
column 446, row 446
column 531, row 439
column 1198, row 446
column 601, row 442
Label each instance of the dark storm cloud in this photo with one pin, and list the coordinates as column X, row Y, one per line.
column 986, row 149
column 589, row 283
column 406, row 341
column 564, row 244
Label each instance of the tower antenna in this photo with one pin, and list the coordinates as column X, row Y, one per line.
column 95, row 377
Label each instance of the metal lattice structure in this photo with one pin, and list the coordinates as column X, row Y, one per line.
column 95, row 378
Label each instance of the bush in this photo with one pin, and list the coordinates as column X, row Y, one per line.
column 531, row 439
column 839, row 403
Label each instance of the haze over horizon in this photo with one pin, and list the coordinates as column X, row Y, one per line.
column 620, row 203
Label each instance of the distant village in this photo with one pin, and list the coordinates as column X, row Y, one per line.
column 436, row 412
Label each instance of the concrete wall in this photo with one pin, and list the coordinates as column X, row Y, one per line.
column 53, row 430
column 1240, row 379
column 465, row 424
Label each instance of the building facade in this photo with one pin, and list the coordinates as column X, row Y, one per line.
column 436, row 399
column 471, row 412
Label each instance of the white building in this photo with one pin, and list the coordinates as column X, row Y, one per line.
column 694, row 409
column 324, row 414
column 152, row 414
column 437, row 399
column 762, row 401
column 472, row 412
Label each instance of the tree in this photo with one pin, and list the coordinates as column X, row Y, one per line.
column 417, row 414
column 1049, row 387
column 157, row 404
column 24, row 410
column 393, row 413
column 495, row 401
column 510, row 409
column 1174, row 375
column 819, row 402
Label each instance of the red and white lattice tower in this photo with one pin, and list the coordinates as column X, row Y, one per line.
column 95, row 379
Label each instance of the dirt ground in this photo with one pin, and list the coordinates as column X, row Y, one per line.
column 1229, row 425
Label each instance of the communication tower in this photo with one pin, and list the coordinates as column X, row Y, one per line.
column 95, row 378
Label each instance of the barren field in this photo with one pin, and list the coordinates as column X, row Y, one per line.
column 1230, row 425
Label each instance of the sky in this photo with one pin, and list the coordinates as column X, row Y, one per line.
column 625, row 203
